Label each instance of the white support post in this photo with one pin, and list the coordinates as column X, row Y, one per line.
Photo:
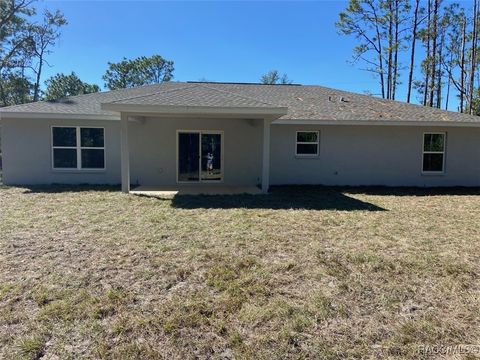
column 125, row 153
column 266, row 156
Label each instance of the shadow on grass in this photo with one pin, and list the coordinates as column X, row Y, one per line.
column 280, row 197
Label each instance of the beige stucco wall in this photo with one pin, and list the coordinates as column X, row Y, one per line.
column 153, row 145
column 349, row 155
column 27, row 153
column 373, row 155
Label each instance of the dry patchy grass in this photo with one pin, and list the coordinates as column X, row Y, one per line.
column 302, row 273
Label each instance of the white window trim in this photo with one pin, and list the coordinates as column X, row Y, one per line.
column 79, row 149
column 442, row 172
column 307, row 143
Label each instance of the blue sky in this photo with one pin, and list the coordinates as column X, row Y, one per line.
column 218, row 41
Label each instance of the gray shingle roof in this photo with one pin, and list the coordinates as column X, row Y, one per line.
column 304, row 102
column 196, row 95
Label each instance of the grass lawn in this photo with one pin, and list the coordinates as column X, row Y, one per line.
column 301, row 273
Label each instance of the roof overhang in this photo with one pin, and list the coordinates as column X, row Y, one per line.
column 424, row 123
column 56, row 116
column 229, row 113
column 165, row 110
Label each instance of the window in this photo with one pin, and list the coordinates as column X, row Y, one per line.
column 78, row 148
column 307, row 143
column 433, row 152
column 64, row 147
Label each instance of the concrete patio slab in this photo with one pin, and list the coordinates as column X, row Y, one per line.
column 171, row 191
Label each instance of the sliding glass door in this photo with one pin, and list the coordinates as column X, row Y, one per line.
column 188, row 155
column 199, row 156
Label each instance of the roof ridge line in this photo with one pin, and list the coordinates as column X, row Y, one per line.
column 153, row 93
column 241, row 96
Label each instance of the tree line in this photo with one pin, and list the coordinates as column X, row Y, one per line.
column 437, row 41
column 124, row 74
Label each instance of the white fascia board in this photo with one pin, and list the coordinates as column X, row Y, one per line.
column 191, row 110
column 60, row 116
column 378, row 123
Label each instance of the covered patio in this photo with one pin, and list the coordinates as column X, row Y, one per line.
column 197, row 141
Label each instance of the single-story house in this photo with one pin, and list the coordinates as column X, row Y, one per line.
column 233, row 134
